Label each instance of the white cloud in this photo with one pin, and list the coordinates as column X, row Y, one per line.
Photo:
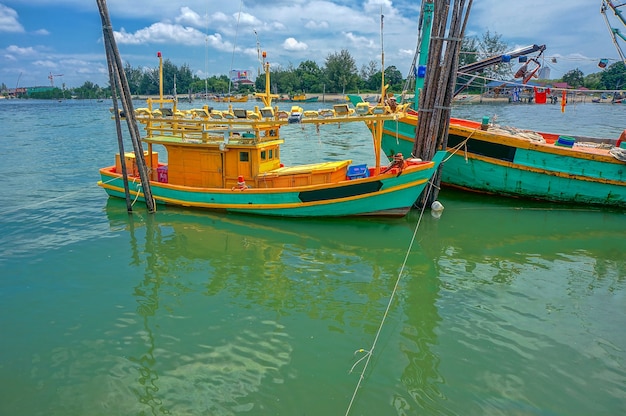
column 375, row 5
column 46, row 64
column 292, row 44
column 311, row 24
column 9, row 20
column 190, row 17
column 215, row 40
column 16, row 50
column 360, row 41
column 161, row 33
column 247, row 19
column 219, row 17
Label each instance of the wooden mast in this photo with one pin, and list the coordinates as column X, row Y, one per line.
column 117, row 69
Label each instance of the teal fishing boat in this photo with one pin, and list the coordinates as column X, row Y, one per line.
column 230, row 161
column 520, row 163
column 512, row 162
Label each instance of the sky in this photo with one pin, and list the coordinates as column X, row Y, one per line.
column 63, row 38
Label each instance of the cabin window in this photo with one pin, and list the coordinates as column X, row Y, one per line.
column 271, row 153
column 244, row 157
column 263, row 155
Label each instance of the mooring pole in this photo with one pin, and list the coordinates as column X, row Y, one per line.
column 118, row 128
column 118, row 69
column 435, row 101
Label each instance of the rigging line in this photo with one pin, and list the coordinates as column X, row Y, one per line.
column 520, row 84
column 232, row 59
column 206, row 56
column 370, row 352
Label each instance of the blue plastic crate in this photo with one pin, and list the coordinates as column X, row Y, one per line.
column 357, row 172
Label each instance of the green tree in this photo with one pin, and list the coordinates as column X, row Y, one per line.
column 574, row 78
column 219, row 83
column 367, row 73
column 614, row 77
column 134, row 77
column 492, row 45
column 469, row 51
column 394, row 79
column 184, row 79
column 149, row 84
column 341, row 72
column 310, row 76
column 593, row 81
column 287, row 81
column 88, row 90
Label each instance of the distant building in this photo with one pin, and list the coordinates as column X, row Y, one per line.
column 544, row 73
column 14, row 92
column 561, row 85
column 30, row 90
column 240, row 77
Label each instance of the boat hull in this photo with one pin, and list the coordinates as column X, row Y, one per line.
column 382, row 195
column 501, row 164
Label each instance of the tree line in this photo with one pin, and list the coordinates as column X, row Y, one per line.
column 339, row 74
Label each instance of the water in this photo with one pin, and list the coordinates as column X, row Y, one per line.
column 504, row 307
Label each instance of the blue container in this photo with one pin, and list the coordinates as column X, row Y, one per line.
column 506, row 58
column 357, row 172
column 565, row 141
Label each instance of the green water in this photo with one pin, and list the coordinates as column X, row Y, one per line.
column 503, row 307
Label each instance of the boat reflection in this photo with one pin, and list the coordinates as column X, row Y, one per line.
column 336, row 272
column 268, row 285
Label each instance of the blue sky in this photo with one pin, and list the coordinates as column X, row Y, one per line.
column 42, row 37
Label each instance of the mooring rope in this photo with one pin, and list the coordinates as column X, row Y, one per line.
column 458, row 147
column 52, row 199
column 369, row 353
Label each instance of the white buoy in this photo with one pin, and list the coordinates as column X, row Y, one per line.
column 436, row 209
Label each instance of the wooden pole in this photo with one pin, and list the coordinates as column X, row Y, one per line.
column 118, row 128
column 118, row 70
column 434, row 108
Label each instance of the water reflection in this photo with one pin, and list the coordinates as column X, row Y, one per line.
column 239, row 300
column 147, row 295
column 335, row 272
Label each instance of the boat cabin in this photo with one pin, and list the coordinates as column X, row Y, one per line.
column 214, row 156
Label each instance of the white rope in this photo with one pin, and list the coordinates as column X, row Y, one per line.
column 137, row 190
column 370, row 352
column 52, row 199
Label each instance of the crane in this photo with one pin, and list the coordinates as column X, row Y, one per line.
column 523, row 72
column 51, row 78
column 615, row 32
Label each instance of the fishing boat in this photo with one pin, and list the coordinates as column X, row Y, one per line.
column 506, row 161
column 299, row 98
column 231, row 98
column 230, row 161
column 521, row 163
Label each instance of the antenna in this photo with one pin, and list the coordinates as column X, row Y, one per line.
column 258, row 53
column 382, row 58
column 206, row 57
column 230, row 81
